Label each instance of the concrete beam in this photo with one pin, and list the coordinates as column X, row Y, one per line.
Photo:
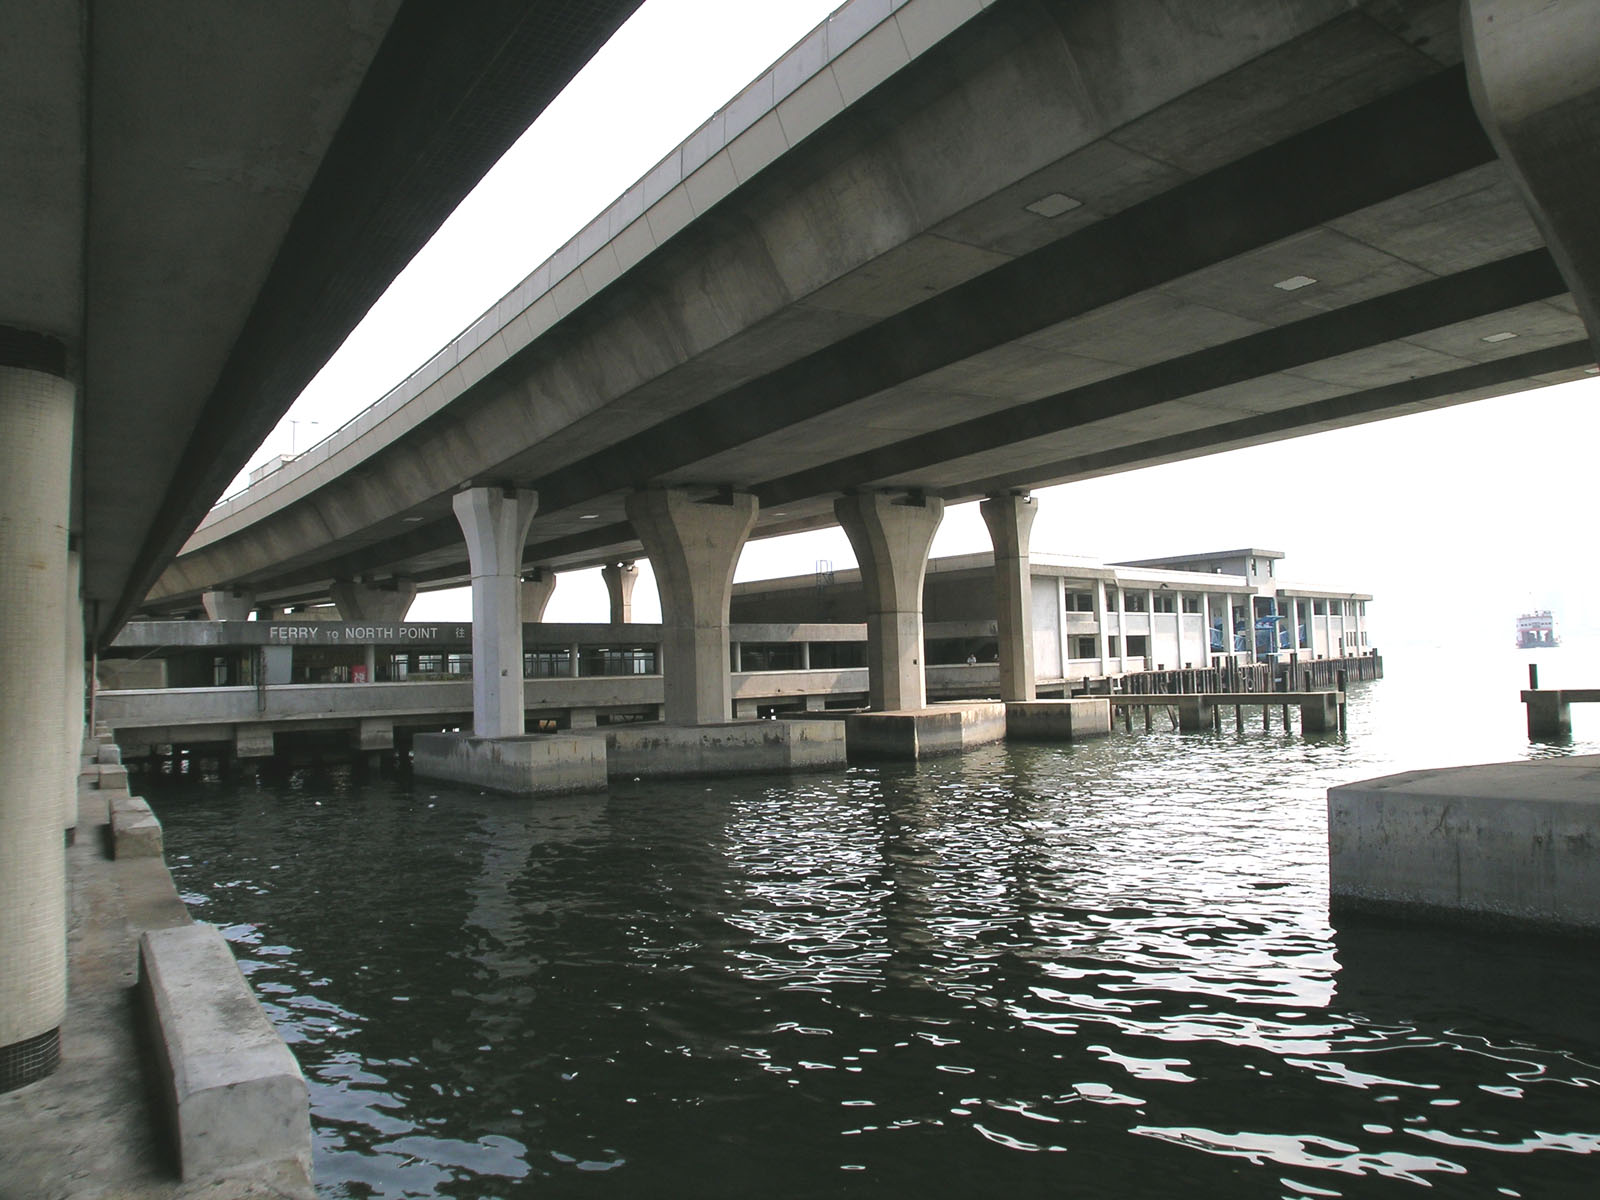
column 495, row 522
column 693, row 548
column 891, row 538
column 1010, row 520
column 1532, row 76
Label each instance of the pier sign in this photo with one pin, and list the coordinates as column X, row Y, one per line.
column 333, row 633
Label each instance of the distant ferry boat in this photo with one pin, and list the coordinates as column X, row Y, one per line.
column 1536, row 629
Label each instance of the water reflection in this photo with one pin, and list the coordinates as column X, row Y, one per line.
column 1103, row 969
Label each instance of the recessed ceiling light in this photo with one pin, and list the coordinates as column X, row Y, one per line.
column 1502, row 336
column 1294, row 283
column 1591, row 370
column 1053, row 205
column 589, row 516
column 778, row 514
column 411, row 520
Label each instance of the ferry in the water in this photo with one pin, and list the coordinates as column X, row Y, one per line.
column 1536, row 629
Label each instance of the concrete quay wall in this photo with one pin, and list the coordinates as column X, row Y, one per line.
column 1503, row 843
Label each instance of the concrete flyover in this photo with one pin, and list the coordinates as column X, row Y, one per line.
column 955, row 250
column 199, row 202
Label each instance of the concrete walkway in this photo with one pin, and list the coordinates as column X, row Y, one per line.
column 90, row 1129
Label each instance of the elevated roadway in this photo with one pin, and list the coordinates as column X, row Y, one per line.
column 954, row 249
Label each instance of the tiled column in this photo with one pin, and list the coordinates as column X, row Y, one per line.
column 495, row 522
column 37, row 409
column 693, row 548
column 1010, row 520
column 620, row 578
column 891, row 537
column 72, row 693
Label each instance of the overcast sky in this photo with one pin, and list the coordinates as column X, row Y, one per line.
column 1454, row 520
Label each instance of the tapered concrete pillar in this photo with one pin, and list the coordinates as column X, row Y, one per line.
column 380, row 603
column 538, row 585
column 1010, row 521
column 229, row 604
column 693, row 549
column 495, row 522
column 37, row 409
column 620, row 578
column 891, row 537
column 1531, row 71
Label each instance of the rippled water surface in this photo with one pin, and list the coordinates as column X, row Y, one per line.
column 1103, row 969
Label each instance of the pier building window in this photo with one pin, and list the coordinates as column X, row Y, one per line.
column 1082, row 646
column 460, row 664
column 617, row 660
column 1138, row 645
column 1319, row 607
column 1080, row 602
column 547, row 662
column 770, row 656
column 1163, row 602
column 1191, row 604
column 1114, row 647
column 430, row 664
column 1135, row 601
column 838, row 656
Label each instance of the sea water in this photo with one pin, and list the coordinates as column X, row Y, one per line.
column 1093, row 969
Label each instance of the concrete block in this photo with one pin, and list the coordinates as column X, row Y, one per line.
column 1502, row 843
column 112, row 778
column 742, row 747
column 531, row 765
column 1058, row 720
column 924, row 732
column 235, row 1094
column 110, row 755
column 135, row 830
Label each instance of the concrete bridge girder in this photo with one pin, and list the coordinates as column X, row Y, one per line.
column 758, row 304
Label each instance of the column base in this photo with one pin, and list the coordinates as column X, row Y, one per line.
column 1057, row 720
column 916, row 733
column 29, row 1060
column 536, row 764
column 740, row 748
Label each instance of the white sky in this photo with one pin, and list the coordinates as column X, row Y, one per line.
column 1454, row 520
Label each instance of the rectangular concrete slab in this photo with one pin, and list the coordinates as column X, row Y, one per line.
column 742, row 747
column 235, row 1093
column 911, row 734
column 135, row 830
column 535, row 764
column 1058, row 720
column 1504, row 842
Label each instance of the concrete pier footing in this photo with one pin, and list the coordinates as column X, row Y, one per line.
column 1058, row 720
column 529, row 765
column 742, row 747
column 910, row 734
column 1505, row 843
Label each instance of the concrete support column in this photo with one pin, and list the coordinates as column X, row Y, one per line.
column 495, row 522
column 1531, row 71
column 229, row 604
column 891, row 538
column 73, row 693
column 620, row 578
column 693, row 549
column 538, row 585
column 379, row 603
column 1102, row 622
column 37, row 409
column 1010, row 521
